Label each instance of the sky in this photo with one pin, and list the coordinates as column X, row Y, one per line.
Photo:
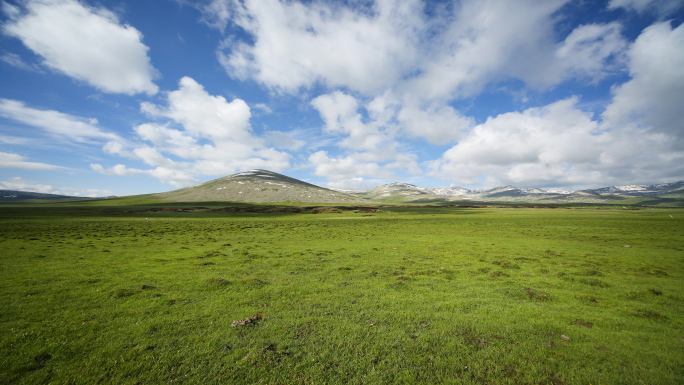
column 121, row 97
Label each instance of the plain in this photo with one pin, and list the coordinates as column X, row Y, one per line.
column 403, row 295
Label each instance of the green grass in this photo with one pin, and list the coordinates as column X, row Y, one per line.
column 408, row 295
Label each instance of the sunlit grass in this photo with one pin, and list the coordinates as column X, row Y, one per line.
column 407, row 295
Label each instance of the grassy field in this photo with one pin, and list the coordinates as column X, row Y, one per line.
column 405, row 295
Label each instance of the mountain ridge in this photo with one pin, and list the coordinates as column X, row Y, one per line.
column 407, row 192
column 266, row 186
column 257, row 186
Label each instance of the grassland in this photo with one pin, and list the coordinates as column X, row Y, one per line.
column 406, row 295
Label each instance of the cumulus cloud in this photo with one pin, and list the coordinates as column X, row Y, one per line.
column 345, row 167
column 57, row 124
column 10, row 160
column 356, row 183
column 299, row 45
column 383, row 45
column 368, row 135
column 487, row 41
column 555, row 145
column 204, row 115
column 377, row 52
column 88, row 44
column 638, row 138
column 389, row 80
column 340, row 112
column 653, row 97
column 197, row 134
column 436, row 124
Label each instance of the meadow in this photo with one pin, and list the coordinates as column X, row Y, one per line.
column 401, row 296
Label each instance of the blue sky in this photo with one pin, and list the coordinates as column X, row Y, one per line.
column 118, row 97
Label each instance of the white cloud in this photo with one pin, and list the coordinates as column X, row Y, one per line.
column 283, row 140
column 346, row 167
column 488, row 41
column 57, row 124
column 653, row 97
column 204, row 115
column 386, row 45
column 357, row 183
column 298, row 45
column 15, row 61
column 209, row 134
column 88, row 44
column 217, row 13
column 436, row 124
column 266, row 109
column 13, row 139
column 88, row 193
column 20, row 184
column 175, row 176
column 592, row 51
column 662, row 8
column 338, row 169
column 171, row 140
column 341, row 115
column 555, row 145
column 9, row 160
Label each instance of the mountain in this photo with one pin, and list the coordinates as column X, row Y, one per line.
column 257, row 186
column 640, row 190
column 11, row 195
column 268, row 186
column 393, row 190
column 669, row 193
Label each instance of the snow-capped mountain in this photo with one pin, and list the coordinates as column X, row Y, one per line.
column 410, row 193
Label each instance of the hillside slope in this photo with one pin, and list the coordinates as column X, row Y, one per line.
column 257, row 186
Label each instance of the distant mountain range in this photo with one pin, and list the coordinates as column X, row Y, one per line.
column 268, row 186
column 11, row 195
column 404, row 192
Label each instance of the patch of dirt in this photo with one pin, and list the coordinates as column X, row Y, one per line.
column 649, row 314
column 537, row 294
column 216, row 282
column 251, row 321
column 583, row 323
column 499, row 273
column 174, row 209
